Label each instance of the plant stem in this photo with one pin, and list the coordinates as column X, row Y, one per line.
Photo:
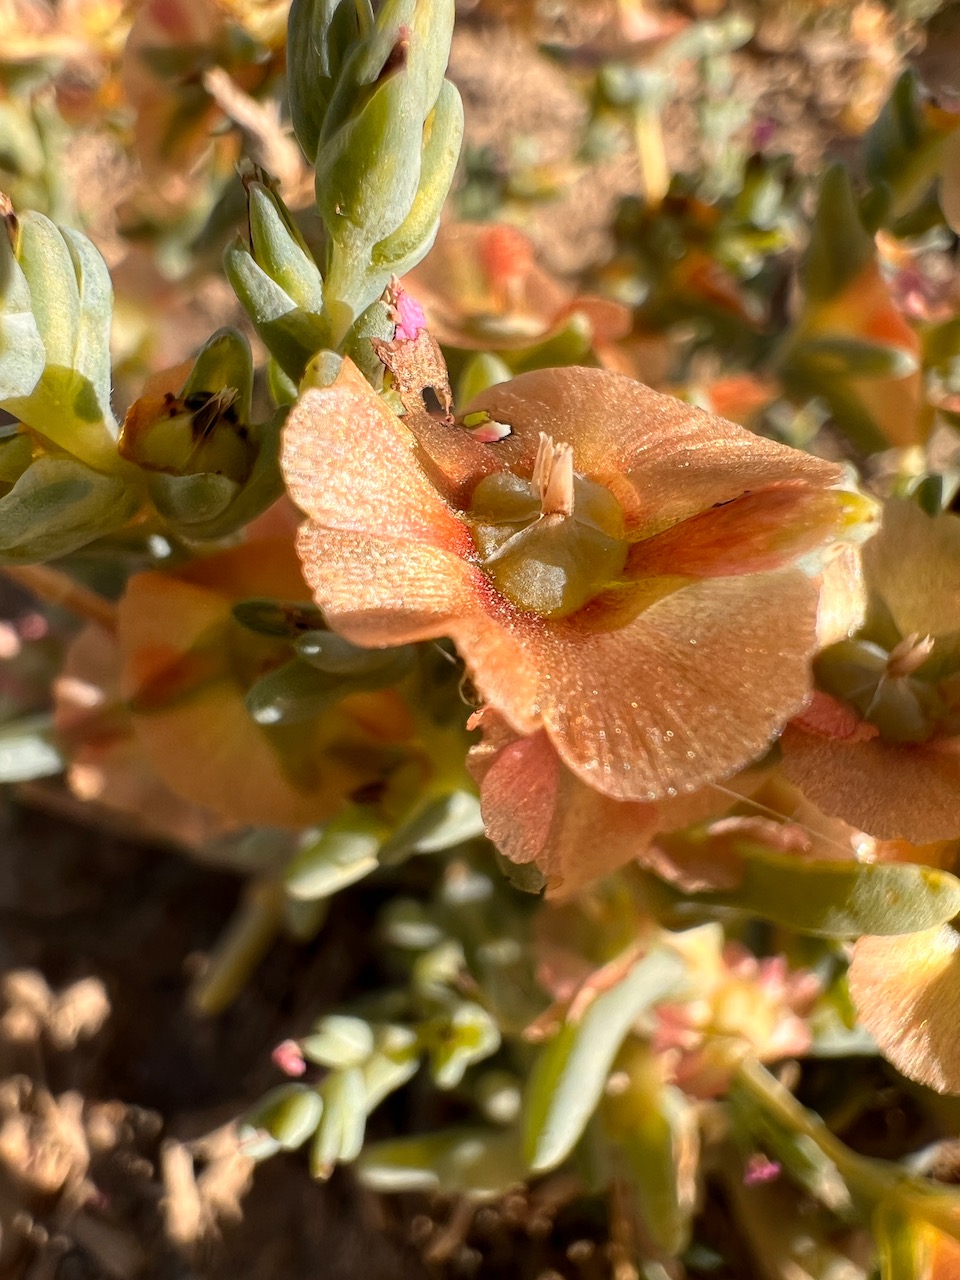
column 871, row 1181
column 54, row 587
column 240, row 948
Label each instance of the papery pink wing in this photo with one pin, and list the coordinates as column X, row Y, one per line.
column 680, row 460
column 891, row 790
column 537, row 811
column 750, row 534
column 351, row 465
column 906, row 990
column 692, row 689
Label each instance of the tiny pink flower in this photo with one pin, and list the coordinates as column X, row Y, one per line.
column 408, row 314
column 288, row 1058
column 759, row 1169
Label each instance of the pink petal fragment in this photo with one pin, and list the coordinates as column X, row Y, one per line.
column 759, row 1169
column 410, row 317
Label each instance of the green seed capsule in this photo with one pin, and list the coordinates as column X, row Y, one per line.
column 550, row 564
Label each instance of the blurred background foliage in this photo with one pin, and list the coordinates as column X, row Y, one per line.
column 753, row 206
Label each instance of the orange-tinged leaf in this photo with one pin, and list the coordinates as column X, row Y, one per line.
column 865, row 310
column 482, row 289
column 187, row 668
column 209, row 750
column 106, row 766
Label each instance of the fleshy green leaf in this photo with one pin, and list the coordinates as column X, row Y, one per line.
column 27, row 750
column 839, row 244
column 394, row 1061
column 339, row 1041
column 339, row 1136
column 855, row 358
column 291, row 334
column 445, row 822
column 569, row 1075
column 71, row 297
column 288, row 1115
column 320, row 35
column 21, row 347
column 189, row 500
column 292, row 694
column 400, row 252
column 344, row 853
column 58, row 505
column 481, row 1163
column 654, row 1129
column 835, row 899
column 279, row 249
column 902, row 1244
column 904, row 147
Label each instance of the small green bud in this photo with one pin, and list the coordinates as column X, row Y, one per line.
column 291, row 334
column 388, row 148
column 468, row 1036
column 278, row 247
column 203, row 428
column 329, row 652
column 278, row 617
column 208, row 469
column 320, row 36
column 410, row 38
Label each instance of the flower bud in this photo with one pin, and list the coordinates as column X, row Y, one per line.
column 320, row 35
column 387, row 150
column 197, row 447
column 291, row 334
column 280, row 250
